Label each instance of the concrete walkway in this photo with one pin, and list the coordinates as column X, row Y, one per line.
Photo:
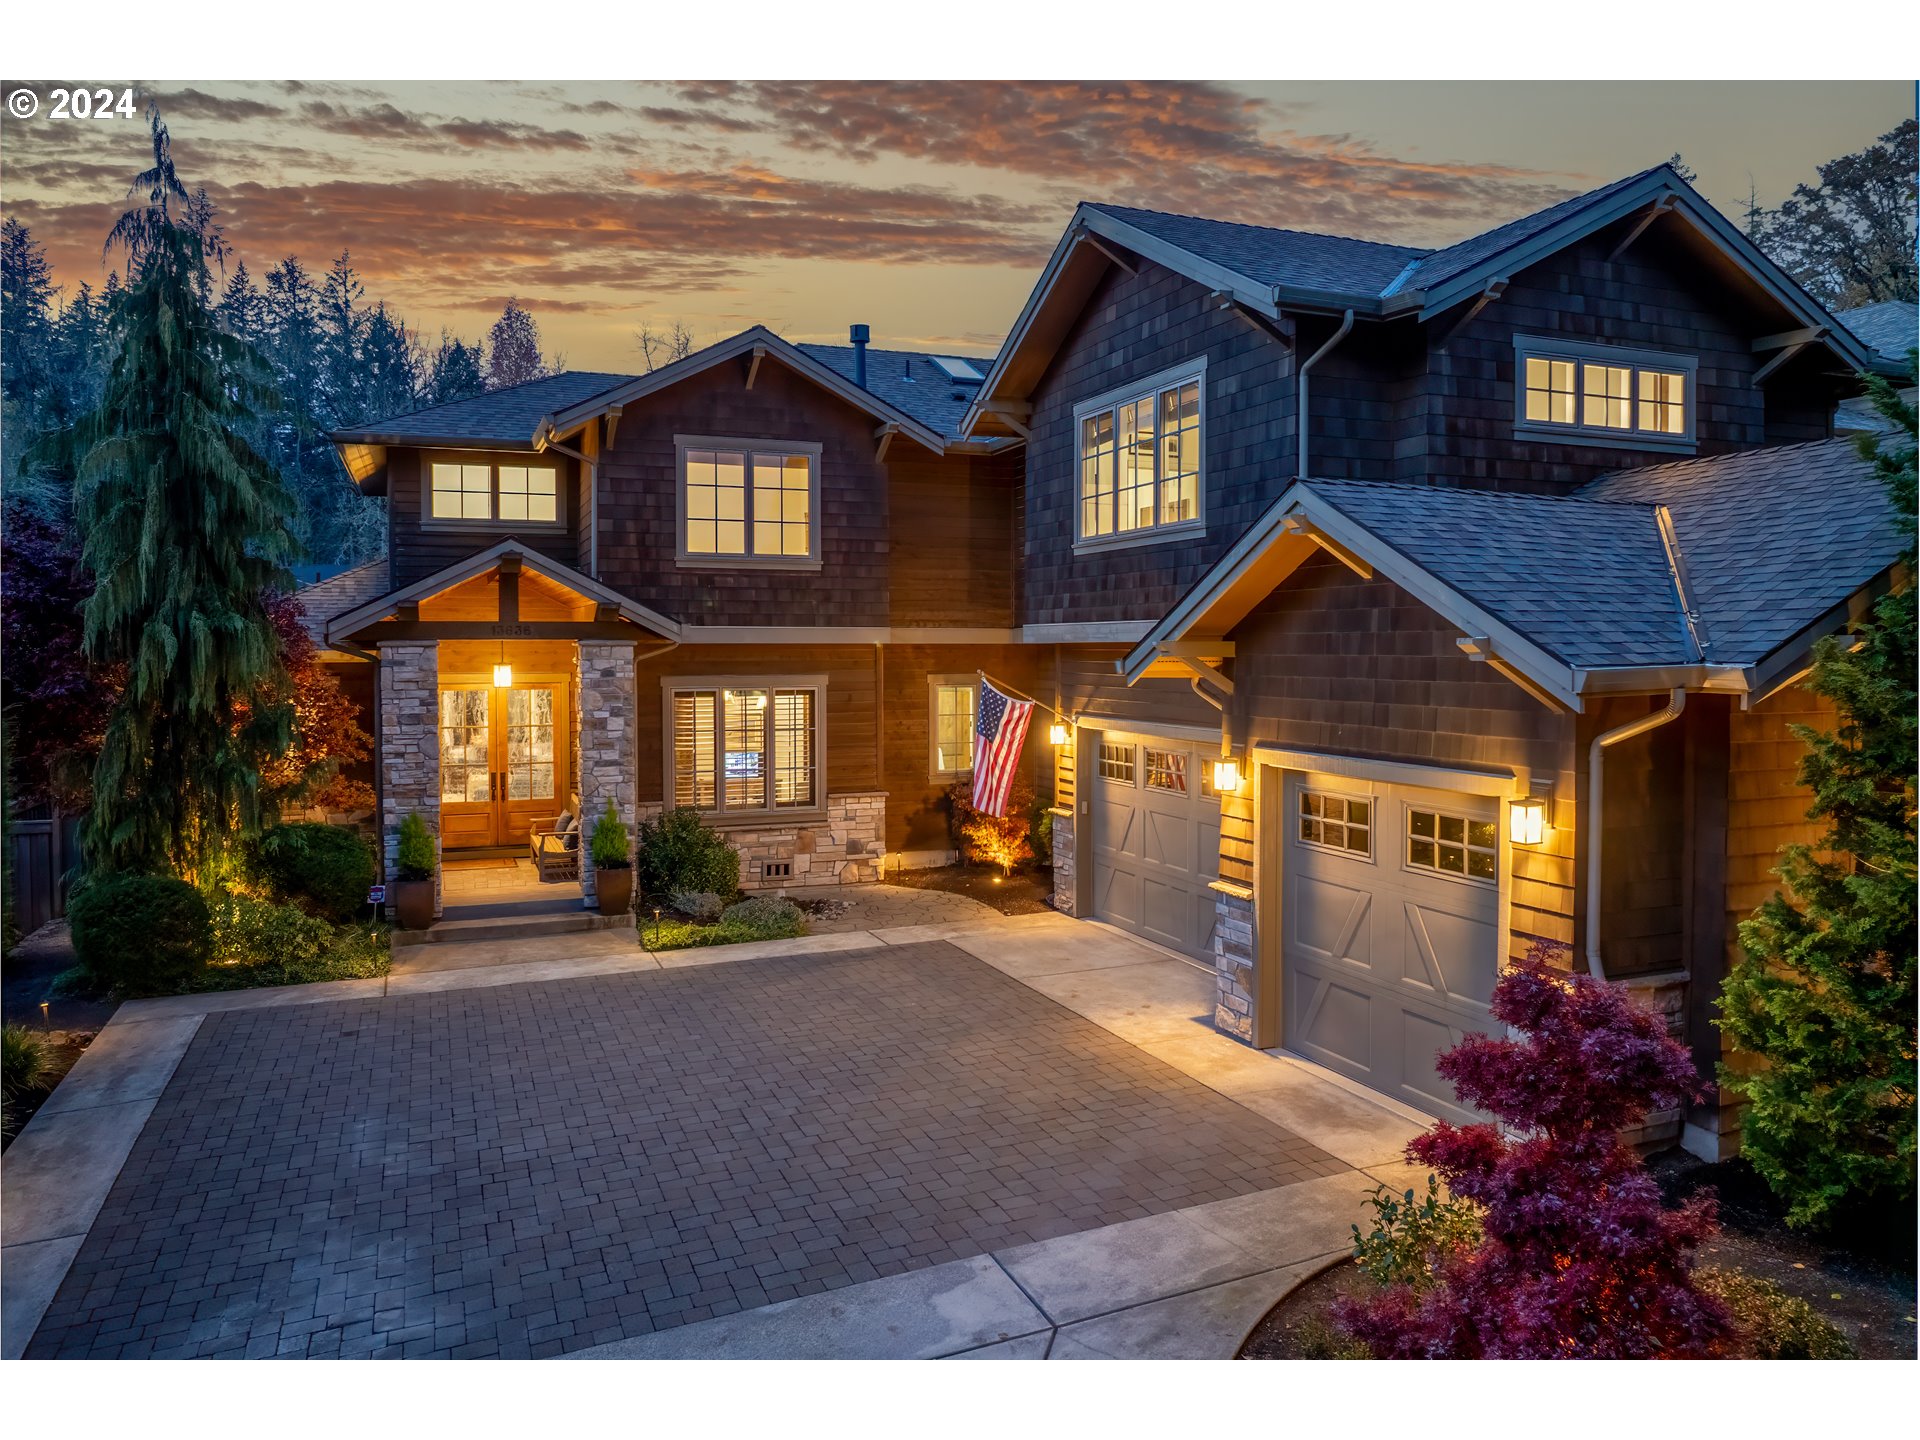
column 1159, row 1286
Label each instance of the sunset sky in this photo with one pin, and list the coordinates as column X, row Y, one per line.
column 923, row 209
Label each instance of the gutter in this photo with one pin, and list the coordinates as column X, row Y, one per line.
column 1346, row 324
column 1596, row 790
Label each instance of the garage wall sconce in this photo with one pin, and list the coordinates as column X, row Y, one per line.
column 1226, row 775
column 1057, row 733
column 1529, row 818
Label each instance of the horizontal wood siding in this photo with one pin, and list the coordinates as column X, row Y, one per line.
column 952, row 548
column 639, row 503
column 1360, row 667
column 917, row 811
column 417, row 552
column 1135, row 326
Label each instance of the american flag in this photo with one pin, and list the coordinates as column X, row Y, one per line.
column 1000, row 728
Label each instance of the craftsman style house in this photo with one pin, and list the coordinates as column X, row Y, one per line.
column 1403, row 608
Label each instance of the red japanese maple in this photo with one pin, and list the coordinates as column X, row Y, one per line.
column 1578, row 1256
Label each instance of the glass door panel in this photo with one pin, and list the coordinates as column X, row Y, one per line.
column 465, row 746
column 530, row 744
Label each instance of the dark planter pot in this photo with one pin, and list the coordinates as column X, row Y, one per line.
column 413, row 903
column 614, row 890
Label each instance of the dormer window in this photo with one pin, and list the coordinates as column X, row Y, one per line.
column 1579, row 391
column 1139, row 454
column 749, row 503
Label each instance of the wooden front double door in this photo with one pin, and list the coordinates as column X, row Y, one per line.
column 504, row 759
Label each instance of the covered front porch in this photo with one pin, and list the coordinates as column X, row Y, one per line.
column 505, row 708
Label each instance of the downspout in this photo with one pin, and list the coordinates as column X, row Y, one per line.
column 1346, row 324
column 1596, row 761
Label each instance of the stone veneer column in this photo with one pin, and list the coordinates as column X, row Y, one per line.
column 1062, row 859
column 410, row 746
column 609, row 762
column 1233, row 979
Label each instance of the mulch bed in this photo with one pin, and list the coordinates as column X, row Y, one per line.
column 64, row 1048
column 1865, row 1288
column 1025, row 892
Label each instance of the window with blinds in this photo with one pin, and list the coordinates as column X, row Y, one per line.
column 745, row 749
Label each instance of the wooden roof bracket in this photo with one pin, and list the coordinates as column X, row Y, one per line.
column 1760, row 375
column 614, row 412
column 753, row 365
column 1659, row 207
column 1013, row 414
column 1278, row 328
column 1307, row 530
column 884, row 435
column 1496, row 287
column 1113, row 254
column 1480, row 648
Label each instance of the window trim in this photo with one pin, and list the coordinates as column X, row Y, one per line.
column 1132, row 782
column 722, row 818
column 1194, row 371
column 1371, row 855
column 935, row 683
column 1467, row 848
column 687, row 559
column 493, row 460
column 1581, row 352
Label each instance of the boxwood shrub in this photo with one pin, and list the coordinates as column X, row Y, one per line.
column 140, row 934
column 680, row 853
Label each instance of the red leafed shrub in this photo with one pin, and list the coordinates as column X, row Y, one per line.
column 1578, row 1258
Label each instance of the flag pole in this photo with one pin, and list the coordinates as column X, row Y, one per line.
column 1008, row 690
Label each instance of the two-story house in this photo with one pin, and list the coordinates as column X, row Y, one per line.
column 1405, row 607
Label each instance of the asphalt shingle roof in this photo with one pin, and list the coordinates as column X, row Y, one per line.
column 1889, row 326
column 337, row 594
column 1583, row 579
column 1772, row 539
column 1300, row 258
column 908, row 380
column 508, row 415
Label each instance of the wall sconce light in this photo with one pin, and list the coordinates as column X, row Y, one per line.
column 1226, row 775
column 1057, row 733
column 1527, row 820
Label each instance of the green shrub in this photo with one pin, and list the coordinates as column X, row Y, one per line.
column 680, row 852
column 325, row 869
column 1771, row 1324
column 611, row 847
column 140, row 934
column 764, row 912
column 1410, row 1240
column 254, row 932
column 701, row 905
column 24, row 1061
column 415, row 860
column 671, row 933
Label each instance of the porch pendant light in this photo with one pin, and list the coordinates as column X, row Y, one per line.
column 503, row 672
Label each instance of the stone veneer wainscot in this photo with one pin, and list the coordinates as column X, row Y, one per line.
column 410, row 746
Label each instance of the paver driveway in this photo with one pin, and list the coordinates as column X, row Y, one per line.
column 541, row 1167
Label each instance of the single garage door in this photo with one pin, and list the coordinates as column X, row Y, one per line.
column 1156, row 840
column 1390, row 930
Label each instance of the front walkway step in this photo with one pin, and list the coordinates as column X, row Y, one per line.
column 520, row 927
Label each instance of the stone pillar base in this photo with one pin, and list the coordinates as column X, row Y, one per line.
column 409, row 748
column 1233, row 978
column 609, row 761
column 1063, row 860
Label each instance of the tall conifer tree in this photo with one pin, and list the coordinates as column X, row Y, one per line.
column 186, row 529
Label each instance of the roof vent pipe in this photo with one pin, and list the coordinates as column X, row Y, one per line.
column 1596, row 794
column 859, row 335
column 1300, row 418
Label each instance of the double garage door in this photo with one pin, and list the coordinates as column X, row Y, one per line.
column 1390, row 930
column 1156, row 840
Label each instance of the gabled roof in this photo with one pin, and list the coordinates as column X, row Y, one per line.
column 338, row 594
column 909, row 381
column 1723, row 569
column 1267, row 270
column 509, row 417
column 347, row 622
column 1889, row 326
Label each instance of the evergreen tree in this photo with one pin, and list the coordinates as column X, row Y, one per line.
column 513, row 349
column 186, row 530
column 27, row 297
column 1825, row 994
column 342, row 322
column 457, row 371
column 242, row 312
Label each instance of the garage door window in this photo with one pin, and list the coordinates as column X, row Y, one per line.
column 1167, row 770
column 1452, row 845
column 1116, row 763
column 1337, row 822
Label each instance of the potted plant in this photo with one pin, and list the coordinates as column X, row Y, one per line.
column 612, row 864
column 413, row 875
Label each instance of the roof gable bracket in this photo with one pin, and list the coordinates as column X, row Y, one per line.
column 1203, row 673
column 1654, row 212
column 1112, row 252
column 1480, row 648
column 1013, row 413
column 1307, row 530
column 1279, row 328
column 614, row 412
column 1760, row 375
column 1496, row 287
column 884, row 435
column 753, row 366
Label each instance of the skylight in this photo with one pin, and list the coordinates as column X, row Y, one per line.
column 956, row 369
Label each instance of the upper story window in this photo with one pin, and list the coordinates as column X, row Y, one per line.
column 494, row 492
column 741, row 747
column 746, row 502
column 1138, row 451
column 1641, row 399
